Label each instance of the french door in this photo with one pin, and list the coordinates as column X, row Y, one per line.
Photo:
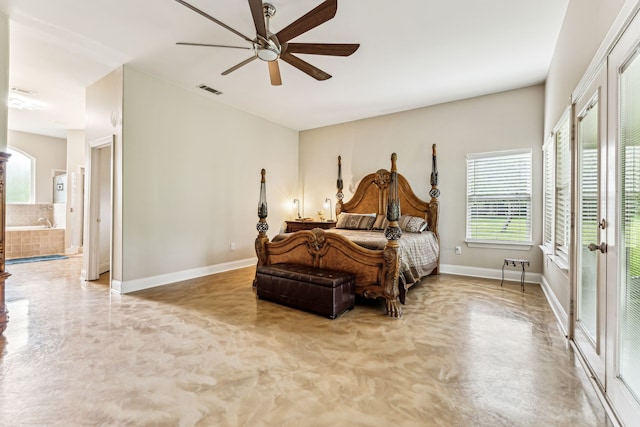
column 590, row 246
column 605, row 272
column 623, row 230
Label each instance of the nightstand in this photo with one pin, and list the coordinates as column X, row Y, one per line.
column 293, row 226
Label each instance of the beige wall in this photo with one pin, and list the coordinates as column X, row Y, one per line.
column 104, row 118
column 586, row 25
column 75, row 150
column 75, row 160
column 50, row 154
column 495, row 122
column 191, row 169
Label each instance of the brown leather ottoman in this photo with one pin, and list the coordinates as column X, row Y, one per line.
column 325, row 292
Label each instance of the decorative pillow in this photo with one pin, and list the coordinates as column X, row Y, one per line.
column 355, row 221
column 381, row 223
column 412, row 224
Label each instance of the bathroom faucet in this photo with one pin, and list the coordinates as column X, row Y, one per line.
column 46, row 221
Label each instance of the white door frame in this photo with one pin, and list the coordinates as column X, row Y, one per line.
column 92, row 208
column 591, row 348
column 626, row 405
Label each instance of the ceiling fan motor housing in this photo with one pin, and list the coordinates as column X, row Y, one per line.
column 268, row 49
column 269, row 10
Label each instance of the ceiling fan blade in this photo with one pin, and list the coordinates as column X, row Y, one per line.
column 322, row 13
column 322, row 48
column 206, row 15
column 305, row 67
column 274, row 73
column 258, row 17
column 212, row 45
column 235, row 67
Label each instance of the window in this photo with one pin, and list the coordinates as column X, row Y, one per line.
column 562, row 137
column 499, row 197
column 557, row 192
column 20, row 177
column 548, row 152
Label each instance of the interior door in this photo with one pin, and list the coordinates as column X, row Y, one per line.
column 623, row 235
column 104, row 188
column 98, row 208
column 590, row 250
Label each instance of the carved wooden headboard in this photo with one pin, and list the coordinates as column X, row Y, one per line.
column 371, row 196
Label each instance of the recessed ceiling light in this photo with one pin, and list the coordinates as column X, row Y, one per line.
column 20, row 102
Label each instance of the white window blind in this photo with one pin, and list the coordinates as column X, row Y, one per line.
column 629, row 220
column 499, row 197
column 563, row 189
column 549, row 194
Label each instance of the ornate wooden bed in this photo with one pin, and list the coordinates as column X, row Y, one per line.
column 377, row 271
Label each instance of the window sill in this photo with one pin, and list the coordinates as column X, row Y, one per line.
column 547, row 251
column 499, row 245
column 560, row 262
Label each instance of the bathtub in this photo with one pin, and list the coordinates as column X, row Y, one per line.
column 26, row 227
column 33, row 240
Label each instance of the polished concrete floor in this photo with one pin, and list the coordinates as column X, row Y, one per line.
column 206, row 352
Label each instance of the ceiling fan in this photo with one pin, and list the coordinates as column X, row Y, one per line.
column 270, row 47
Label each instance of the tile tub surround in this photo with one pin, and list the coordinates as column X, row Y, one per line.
column 205, row 352
column 28, row 214
column 27, row 241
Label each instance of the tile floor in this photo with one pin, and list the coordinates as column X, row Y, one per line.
column 205, row 352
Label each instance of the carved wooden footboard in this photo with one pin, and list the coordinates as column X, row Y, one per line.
column 377, row 271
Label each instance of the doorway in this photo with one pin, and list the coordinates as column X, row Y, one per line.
column 99, row 208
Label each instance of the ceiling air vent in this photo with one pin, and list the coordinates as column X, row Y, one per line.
column 23, row 91
column 210, row 89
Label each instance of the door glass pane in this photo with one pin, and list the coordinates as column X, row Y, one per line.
column 588, row 220
column 629, row 302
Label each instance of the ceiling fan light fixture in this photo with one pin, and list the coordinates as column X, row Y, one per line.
column 20, row 102
column 267, row 54
column 267, row 49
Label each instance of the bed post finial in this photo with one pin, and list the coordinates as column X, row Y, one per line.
column 262, row 204
column 434, row 193
column 262, row 225
column 393, row 232
column 340, row 186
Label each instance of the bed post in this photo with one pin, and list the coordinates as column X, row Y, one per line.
column 434, row 204
column 393, row 232
column 262, row 225
column 340, row 186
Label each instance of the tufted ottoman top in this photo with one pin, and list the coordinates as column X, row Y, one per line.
column 308, row 274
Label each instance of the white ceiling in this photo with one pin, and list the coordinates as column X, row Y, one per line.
column 413, row 53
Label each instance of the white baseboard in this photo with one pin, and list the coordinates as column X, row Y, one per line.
column 556, row 307
column 127, row 286
column 491, row 273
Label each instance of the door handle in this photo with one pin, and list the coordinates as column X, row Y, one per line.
column 602, row 247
